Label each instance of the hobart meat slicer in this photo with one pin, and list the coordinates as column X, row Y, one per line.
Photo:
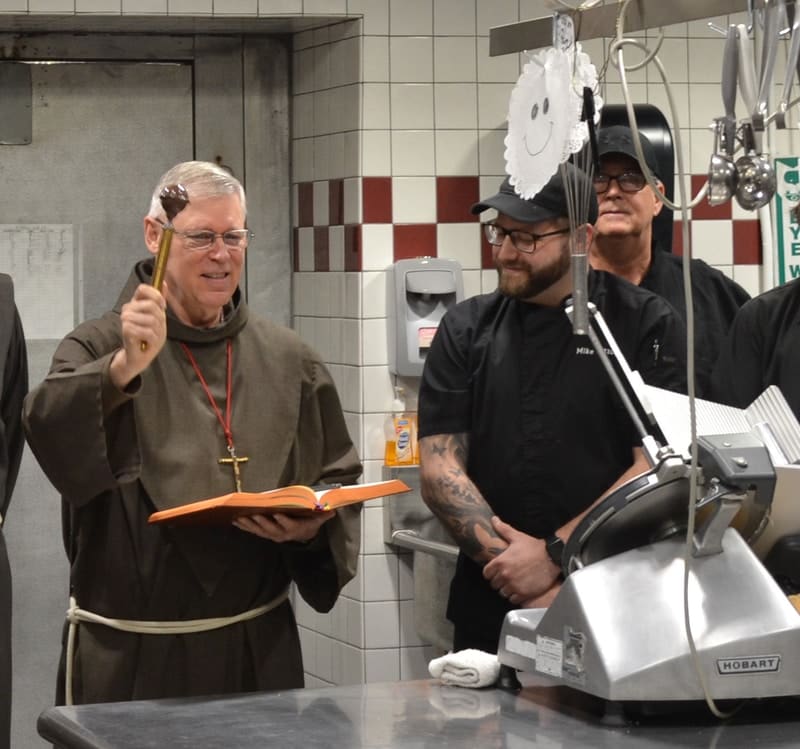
column 644, row 615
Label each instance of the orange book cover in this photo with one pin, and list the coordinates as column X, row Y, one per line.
column 293, row 500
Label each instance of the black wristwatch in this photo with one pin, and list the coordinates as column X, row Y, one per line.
column 555, row 549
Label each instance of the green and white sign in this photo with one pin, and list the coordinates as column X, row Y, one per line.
column 787, row 228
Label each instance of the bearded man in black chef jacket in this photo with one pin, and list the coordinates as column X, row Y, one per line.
column 521, row 430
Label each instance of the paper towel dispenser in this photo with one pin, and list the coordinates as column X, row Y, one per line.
column 418, row 293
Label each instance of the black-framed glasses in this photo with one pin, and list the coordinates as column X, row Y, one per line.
column 235, row 240
column 524, row 241
column 627, row 181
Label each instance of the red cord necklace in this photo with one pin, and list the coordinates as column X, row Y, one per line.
column 233, row 460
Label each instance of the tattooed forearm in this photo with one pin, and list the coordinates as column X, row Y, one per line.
column 454, row 498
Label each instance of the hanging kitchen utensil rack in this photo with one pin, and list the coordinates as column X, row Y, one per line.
column 600, row 21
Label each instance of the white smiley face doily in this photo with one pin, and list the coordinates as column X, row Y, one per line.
column 544, row 116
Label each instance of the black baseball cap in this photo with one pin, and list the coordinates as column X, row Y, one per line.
column 550, row 202
column 619, row 139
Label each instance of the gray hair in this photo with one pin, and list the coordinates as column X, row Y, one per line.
column 202, row 179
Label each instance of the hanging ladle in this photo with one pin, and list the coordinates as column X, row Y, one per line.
column 756, row 178
column 722, row 175
column 757, row 182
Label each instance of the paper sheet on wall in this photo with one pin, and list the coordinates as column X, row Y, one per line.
column 40, row 259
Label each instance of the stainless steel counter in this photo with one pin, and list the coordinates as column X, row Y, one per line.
column 404, row 715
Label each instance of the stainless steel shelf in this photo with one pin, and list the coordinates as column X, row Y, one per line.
column 601, row 22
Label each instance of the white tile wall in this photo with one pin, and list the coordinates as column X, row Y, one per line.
column 454, row 59
column 411, row 17
column 414, row 662
column 376, row 15
column 376, row 58
column 337, row 165
column 456, row 106
column 306, row 248
column 324, row 7
column 472, row 283
column 749, row 277
column 352, row 290
column 278, row 7
column 414, row 200
column 144, row 7
column 490, row 152
column 236, row 7
column 377, row 244
column 351, row 342
column 501, row 68
column 376, row 106
column 461, row 242
column 374, row 434
column 382, row 665
column 412, row 106
column 411, row 59
column 374, row 292
column 493, row 104
column 712, row 241
column 336, row 248
column 497, row 13
column 190, row 7
column 705, row 104
column 376, row 153
column 382, row 624
column 456, row 152
column 412, row 153
column 98, row 6
column 51, row 6
column 322, row 157
column 453, row 18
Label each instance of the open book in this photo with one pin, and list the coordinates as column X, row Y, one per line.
column 292, row 500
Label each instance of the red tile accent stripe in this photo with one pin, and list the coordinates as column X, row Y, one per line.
column 454, row 197
column 747, row 248
column 703, row 210
column 414, row 240
column 321, row 252
column 352, row 248
column 336, row 202
column 377, row 200
column 305, row 204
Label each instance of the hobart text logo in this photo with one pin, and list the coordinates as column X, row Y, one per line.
column 752, row 664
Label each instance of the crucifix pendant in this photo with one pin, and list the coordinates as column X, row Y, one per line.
column 234, row 461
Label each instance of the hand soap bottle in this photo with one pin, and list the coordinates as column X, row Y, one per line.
column 400, row 433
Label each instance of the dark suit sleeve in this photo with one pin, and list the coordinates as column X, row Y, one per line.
column 15, row 387
column 737, row 378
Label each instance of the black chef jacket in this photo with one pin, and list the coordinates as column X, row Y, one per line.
column 762, row 349
column 548, row 433
column 716, row 301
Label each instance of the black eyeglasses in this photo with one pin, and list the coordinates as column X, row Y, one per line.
column 627, row 181
column 235, row 240
column 524, row 241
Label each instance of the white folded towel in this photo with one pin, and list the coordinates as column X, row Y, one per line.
column 466, row 668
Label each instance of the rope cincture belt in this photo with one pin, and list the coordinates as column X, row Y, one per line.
column 180, row 627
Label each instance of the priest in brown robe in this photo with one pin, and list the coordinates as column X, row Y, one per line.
column 13, row 386
column 172, row 397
